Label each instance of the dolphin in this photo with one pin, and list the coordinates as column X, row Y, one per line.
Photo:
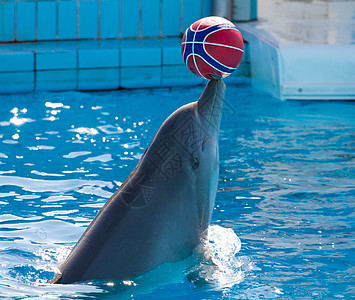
column 163, row 209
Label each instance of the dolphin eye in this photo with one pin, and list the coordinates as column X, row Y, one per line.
column 196, row 163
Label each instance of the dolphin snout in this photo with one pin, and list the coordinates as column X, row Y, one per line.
column 213, row 91
column 210, row 106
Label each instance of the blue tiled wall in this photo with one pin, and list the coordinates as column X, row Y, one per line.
column 129, row 18
column 189, row 11
column 94, row 65
column 150, row 18
column 17, row 71
column 46, row 20
column 67, row 22
column 88, row 19
column 7, row 22
column 94, row 44
column 38, row 20
column 26, row 21
column 16, row 61
column 109, row 22
column 171, row 18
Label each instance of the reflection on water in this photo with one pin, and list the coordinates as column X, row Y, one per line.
column 286, row 190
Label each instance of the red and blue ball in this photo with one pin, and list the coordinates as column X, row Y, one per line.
column 212, row 48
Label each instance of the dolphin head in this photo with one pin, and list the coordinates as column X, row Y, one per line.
column 185, row 153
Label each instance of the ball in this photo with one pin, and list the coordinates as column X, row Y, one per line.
column 212, row 48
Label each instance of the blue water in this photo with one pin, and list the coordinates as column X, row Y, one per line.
column 284, row 215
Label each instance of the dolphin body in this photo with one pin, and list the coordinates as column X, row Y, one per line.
column 163, row 209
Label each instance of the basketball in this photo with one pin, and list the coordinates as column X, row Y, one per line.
column 212, row 48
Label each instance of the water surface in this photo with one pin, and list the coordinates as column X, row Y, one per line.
column 286, row 190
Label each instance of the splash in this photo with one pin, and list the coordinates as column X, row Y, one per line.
column 223, row 243
column 221, row 269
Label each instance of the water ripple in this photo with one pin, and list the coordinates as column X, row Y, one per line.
column 41, row 185
column 286, row 190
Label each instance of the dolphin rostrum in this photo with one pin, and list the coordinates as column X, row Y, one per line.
column 163, row 209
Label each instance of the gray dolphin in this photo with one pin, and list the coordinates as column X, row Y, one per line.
column 163, row 209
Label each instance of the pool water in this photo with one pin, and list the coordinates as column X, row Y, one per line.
column 283, row 222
